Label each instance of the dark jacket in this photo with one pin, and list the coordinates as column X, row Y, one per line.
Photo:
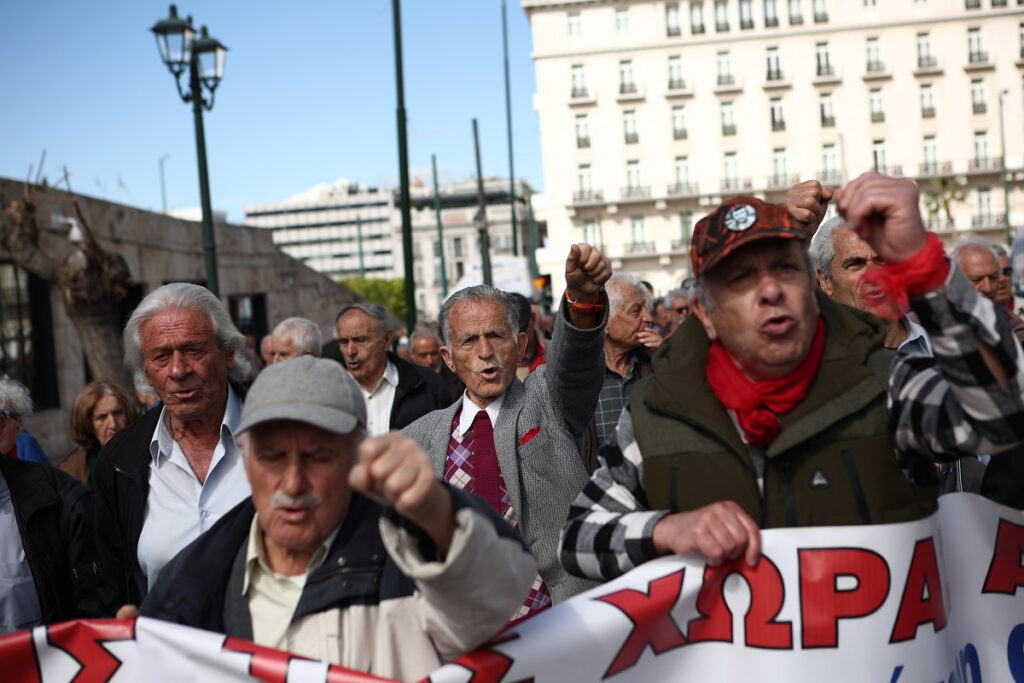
column 121, row 483
column 54, row 515
column 202, row 585
column 590, row 440
column 420, row 390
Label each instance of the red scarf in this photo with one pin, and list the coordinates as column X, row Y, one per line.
column 757, row 404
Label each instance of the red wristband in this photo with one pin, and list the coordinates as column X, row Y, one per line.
column 896, row 282
column 581, row 307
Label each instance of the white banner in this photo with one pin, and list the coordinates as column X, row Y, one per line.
column 934, row 600
column 939, row 599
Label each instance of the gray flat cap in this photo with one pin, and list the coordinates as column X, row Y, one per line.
column 317, row 391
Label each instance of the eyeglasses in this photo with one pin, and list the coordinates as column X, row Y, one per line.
column 681, row 309
column 1007, row 271
column 7, row 415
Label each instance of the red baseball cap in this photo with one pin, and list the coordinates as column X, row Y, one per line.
column 738, row 221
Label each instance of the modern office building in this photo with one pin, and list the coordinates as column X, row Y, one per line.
column 652, row 112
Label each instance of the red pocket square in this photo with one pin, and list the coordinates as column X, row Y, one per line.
column 529, row 435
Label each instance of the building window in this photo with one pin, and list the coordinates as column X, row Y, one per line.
column 829, row 165
column 771, row 15
column 778, row 121
column 874, row 55
column 1020, row 39
column 638, row 231
column 437, row 248
column 780, row 168
column 579, row 84
column 975, row 53
column 622, row 20
column 672, row 20
column 582, row 131
column 728, row 119
column 626, row 84
column 574, row 24
column 828, row 118
column 731, row 171
column 675, row 73
column 586, row 186
column 696, row 17
column 682, row 168
column 26, row 336
column 824, row 64
column 978, row 101
column 877, row 105
column 774, row 67
column 724, row 66
column 878, row 156
column 980, row 149
column 927, row 101
column 592, row 232
column 678, row 123
column 870, row 3
column 457, row 246
column 746, row 14
column 721, row 16
column 972, row 4
column 796, row 15
column 925, row 56
column 930, row 155
column 686, row 226
column 629, row 127
column 984, row 216
column 632, row 177
column 820, row 11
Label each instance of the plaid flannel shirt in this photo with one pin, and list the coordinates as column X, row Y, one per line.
column 940, row 408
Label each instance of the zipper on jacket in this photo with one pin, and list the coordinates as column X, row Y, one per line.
column 855, row 485
column 788, row 496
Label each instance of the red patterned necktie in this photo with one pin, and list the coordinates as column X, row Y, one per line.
column 486, row 472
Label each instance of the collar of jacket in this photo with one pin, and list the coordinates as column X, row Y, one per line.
column 27, row 496
column 843, row 383
column 408, row 378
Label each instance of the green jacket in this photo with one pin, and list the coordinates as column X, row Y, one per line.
column 832, row 463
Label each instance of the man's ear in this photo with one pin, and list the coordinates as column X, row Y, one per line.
column 697, row 309
column 825, row 283
column 389, row 337
column 521, row 341
column 446, row 356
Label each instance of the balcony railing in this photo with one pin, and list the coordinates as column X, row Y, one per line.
column 721, row 26
column 983, row 164
column 877, row 116
column 729, row 129
column 579, row 91
column 746, row 23
column 774, row 75
column 929, row 62
column 632, row 138
column 933, row 168
column 680, row 245
column 587, row 196
column 796, row 19
column 979, row 107
column 679, row 134
column 820, row 17
column 779, row 125
column 696, row 28
column 637, row 248
column 676, row 84
column 627, row 88
column 673, row 31
column 927, row 112
column 987, row 220
column 825, row 70
column 977, row 57
column 682, row 189
column 828, row 121
column 583, row 142
column 972, row 4
column 830, row 176
column 895, row 170
column 635, row 192
column 726, row 79
column 735, row 184
column 779, row 181
column 875, row 66
column 771, row 22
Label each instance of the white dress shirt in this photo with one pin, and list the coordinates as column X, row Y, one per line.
column 19, row 602
column 470, row 409
column 179, row 508
column 380, row 400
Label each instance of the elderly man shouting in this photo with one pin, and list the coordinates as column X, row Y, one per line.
column 169, row 476
column 770, row 407
column 517, row 444
column 349, row 550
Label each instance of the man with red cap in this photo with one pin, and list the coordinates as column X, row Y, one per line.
column 775, row 406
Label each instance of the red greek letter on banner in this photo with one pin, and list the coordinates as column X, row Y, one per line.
column 652, row 620
column 916, row 609
column 767, row 593
column 1006, row 571
column 488, row 666
column 83, row 640
column 822, row 604
column 19, row 657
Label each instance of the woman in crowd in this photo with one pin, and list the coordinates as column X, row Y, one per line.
column 101, row 410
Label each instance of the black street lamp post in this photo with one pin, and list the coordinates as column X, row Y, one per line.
column 204, row 57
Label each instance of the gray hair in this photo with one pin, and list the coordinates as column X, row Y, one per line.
column 823, row 244
column 423, row 332
column 1000, row 251
column 15, row 398
column 973, row 241
column 305, row 334
column 188, row 297
column 375, row 311
column 478, row 294
column 615, row 287
column 681, row 293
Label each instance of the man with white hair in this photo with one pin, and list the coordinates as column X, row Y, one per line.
column 172, row 474
column 295, row 337
column 979, row 262
column 350, row 549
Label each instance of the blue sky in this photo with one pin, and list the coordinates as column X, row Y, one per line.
column 308, row 96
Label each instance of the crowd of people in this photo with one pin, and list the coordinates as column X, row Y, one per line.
column 388, row 507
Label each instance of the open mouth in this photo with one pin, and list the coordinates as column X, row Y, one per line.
column 490, row 373
column 293, row 514
column 778, row 325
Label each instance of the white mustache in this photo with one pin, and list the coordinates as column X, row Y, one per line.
column 283, row 500
column 491, row 365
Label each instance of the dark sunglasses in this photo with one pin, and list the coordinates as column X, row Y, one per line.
column 1007, row 271
column 682, row 309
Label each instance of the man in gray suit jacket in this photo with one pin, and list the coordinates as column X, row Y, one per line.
column 538, row 425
